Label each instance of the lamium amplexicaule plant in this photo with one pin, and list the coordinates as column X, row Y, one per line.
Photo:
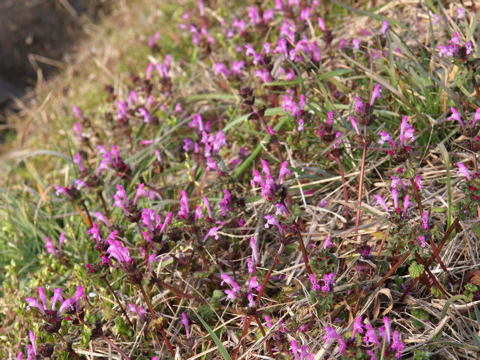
column 274, row 180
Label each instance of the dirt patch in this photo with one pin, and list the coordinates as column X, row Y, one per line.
column 34, row 35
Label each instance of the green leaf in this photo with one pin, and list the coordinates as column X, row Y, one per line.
column 214, row 337
column 415, row 269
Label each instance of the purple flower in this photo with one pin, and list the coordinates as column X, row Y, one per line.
column 397, row 344
column 327, row 281
column 50, row 247
column 78, row 113
column 354, row 124
column 462, row 169
column 476, row 117
column 185, row 324
column 220, row 68
column 146, row 116
column 330, row 335
column 238, row 67
column 254, row 15
column 268, row 15
column 376, row 94
column 313, row 281
column 272, row 221
column 384, row 27
column 357, row 326
column 254, row 247
column 77, row 159
column 119, row 252
column 102, row 218
column 455, row 116
column 283, row 171
column 381, row 202
column 321, row 24
column 211, row 232
column 406, row 204
column 425, row 220
column 140, row 311
column 264, row 75
column 229, row 281
column 371, row 337
column 386, row 322
column 121, row 199
column 294, row 347
column 32, row 302
column 95, row 233
column 421, row 241
column 184, row 212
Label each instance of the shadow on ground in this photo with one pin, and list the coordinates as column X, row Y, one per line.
column 34, row 36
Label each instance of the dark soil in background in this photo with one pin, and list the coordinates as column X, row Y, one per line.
column 34, row 34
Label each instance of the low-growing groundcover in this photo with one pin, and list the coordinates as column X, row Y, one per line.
column 268, row 180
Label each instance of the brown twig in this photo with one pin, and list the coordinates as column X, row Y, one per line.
column 259, row 297
column 437, row 251
column 304, row 251
column 360, row 186
column 391, row 271
column 154, row 317
column 118, row 302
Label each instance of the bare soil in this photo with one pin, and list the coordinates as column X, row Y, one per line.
column 34, row 36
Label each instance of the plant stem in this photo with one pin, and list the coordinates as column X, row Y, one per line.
column 360, row 186
column 259, row 297
column 112, row 344
column 262, row 330
column 391, row 271
column 304, row 251
column 345, row 190
column 69, row 347
column 118, row 302
column 104, row 204
column 437, row 251
column 154, row 317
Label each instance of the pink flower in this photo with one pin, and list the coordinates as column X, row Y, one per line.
column 119, row 252
column 327, row 281
column 328, row 243
column 272, row 221
column 254, row 15
column 77, row 159
column 425, row 220
column 386, row 322
column 313, row 281
column 384, row 27
column 228, row 280
column 184, row 212
column 421, row 241
column 140, row 311
column 354, row 124
column 357, row 326
column 78, row 113
column 283, row 171
column 185, row 324
column 211, row 232
column 321, row 23
column 455, row 116
column 254, row 247
column 294, row 347
column 397, row 345
column 220, row 68
column 50, row 247
column 381, row 202
column 476, row 117
column 462, row 169
column 376, row 93
column 238, row 67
